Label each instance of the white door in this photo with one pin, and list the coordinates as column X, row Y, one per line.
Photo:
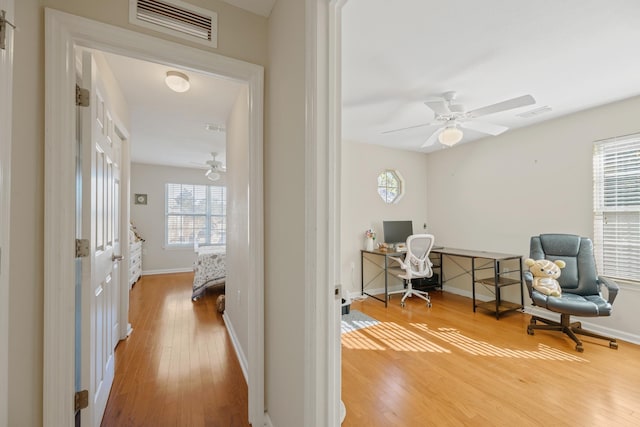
column 100, row 218
column 6, row 84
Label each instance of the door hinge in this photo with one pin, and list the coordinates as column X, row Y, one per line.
column 82, row 97
column 82, row 248
column 3, row 28
column 81, row 400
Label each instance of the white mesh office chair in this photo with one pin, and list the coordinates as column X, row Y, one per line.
column 416, row 264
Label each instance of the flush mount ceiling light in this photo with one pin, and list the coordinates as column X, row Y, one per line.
column 450, row 135
column 177, row 81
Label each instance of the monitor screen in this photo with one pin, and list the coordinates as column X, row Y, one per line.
column 396, row 231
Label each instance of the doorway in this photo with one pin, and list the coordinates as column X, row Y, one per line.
column 64, row 33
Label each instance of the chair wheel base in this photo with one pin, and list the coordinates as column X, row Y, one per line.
column 579, row 348
column 402, row 304
column 530, row 331
column 429, row 304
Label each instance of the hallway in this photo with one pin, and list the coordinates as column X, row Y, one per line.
column 178, row 367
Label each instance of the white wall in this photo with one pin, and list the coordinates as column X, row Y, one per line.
column 285, row 214
column 149, row 219
column 242, row 35
column 496, row 193
column 362, row 207
column 237, row 284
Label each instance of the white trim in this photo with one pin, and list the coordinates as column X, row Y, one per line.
column 6, row 95
column 242, row 358
column 322, row 214
column 62, row 33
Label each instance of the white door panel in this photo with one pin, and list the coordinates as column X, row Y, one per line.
column 101, row 213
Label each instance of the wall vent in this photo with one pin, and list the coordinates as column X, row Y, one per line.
column 176, row 18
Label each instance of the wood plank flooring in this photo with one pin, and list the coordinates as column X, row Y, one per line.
column 448, row 366
column 444, row 366
column 178, row 367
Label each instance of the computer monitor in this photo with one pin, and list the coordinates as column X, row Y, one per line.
column 396, row 231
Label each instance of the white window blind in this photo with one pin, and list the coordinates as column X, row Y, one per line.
column 616, row 176
column 195, row 213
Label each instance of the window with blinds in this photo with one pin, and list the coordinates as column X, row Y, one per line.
column 616, row 177
column 195, row 213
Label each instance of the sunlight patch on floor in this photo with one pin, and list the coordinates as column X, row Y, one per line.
column 481, row 348
column 389, row 335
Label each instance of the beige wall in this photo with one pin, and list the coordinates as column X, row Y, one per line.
column 496, row 193
column 284, row 214
column 362, row 208
column 26, row 291
column 149, row 218
column 242, row 35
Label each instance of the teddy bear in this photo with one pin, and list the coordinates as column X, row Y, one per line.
column 545, row 273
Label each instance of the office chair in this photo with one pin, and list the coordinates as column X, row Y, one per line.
column 416, row 264
column 580, row 285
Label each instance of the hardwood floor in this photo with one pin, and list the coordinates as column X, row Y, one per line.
column 448, row 366
column 178, row 367
column 444, row 366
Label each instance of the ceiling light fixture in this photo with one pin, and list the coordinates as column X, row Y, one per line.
column 212, row 175
column 450, row 135
column 177, row 81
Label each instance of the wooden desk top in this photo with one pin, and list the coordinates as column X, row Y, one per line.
column 467, row 253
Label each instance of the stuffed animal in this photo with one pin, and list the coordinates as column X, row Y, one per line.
column 220, row 303
column 545, row 273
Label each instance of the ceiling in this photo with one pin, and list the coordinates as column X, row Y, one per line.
column 569, row 55
column 167, row 127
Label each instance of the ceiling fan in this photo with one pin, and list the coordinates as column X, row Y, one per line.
column 215, row 167
column 452, row 117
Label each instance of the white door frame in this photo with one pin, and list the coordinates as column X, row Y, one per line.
column 63, row 32
column 323, row 171
column 6, row 107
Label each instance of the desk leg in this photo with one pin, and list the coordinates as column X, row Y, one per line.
column 496, row 272
column 386, row 276
column 361, row 273
column 473, row 282
column 521, row 280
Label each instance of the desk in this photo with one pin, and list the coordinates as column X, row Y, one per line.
column 384, row 268
column 496, row 281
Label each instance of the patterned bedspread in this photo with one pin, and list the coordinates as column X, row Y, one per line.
column 210, row 270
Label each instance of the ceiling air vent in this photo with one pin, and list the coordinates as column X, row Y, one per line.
column 176, row 18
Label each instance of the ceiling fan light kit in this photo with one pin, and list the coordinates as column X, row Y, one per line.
column 177, row 81
column 450, row 136
column 452, row 117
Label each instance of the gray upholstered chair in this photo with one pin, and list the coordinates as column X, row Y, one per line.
column 580, row 285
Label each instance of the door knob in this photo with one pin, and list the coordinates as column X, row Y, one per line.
column 116, row 257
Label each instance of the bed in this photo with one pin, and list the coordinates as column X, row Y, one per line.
column 210, row 269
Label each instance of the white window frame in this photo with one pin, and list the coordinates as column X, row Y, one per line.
column 616, row 211
column 207, row 215
column 384, row 195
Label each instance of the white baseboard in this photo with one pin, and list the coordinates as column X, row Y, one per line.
column 267, row 420
column 166, row 271
column 242, row 358
column 614, row 333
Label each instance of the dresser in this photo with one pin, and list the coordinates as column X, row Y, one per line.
column 135, row 262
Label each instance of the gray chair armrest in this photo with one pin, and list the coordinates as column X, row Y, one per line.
column 528, row 279
column 612, row 288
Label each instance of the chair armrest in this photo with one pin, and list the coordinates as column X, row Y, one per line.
column 612, row 288
column 399, row 261
column 528, row 279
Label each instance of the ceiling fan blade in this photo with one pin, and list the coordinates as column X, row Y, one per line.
column 439, row 106
column 484, row 127
column 410, row 127
column 509, row 104
column 433, row 137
